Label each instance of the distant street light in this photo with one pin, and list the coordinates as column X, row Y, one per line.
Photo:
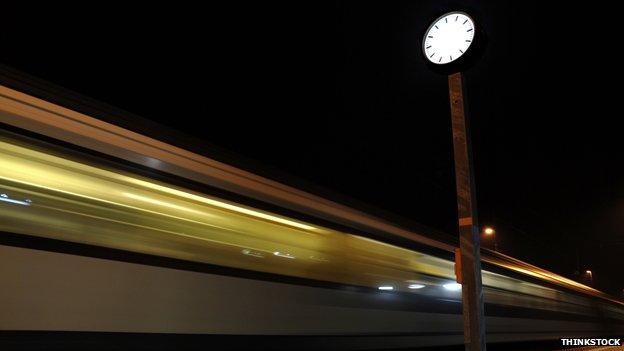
column 591, row 276
column 489, row 231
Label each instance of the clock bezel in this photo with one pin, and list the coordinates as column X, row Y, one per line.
column 433, row 23
column 468, row 58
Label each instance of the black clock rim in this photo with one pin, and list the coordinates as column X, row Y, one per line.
column 470, row 57
column 474, row 24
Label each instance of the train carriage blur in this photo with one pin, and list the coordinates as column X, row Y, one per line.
column 107, row 230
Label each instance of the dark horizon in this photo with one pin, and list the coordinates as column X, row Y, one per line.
column 339, row 96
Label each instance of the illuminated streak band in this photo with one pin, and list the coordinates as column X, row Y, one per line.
column 17, row 202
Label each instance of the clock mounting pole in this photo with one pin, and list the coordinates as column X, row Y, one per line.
column 451, row 44
column 469, row 239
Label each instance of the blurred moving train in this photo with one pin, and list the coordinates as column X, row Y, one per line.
column 106, row 231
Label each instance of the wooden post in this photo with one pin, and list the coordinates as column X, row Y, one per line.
column 469, row 239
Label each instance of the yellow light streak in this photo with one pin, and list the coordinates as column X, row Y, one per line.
column 162, row 203
column 221, row 204
column 64, row 164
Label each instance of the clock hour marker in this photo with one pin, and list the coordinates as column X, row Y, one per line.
column 428, row 47
column 436, row 27
column 432, row 55
column 469, row 30
column 468, row 41
column 440, row 60
column 456, row 17
column 430, row 36
column 451, row 58
column 446, row 20
column 465, row 21
column 462, row 51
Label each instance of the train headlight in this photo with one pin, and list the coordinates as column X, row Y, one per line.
column 452, row 286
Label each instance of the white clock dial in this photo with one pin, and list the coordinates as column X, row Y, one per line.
column 448, row 38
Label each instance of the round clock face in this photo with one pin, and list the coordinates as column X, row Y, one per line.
column 448, row 38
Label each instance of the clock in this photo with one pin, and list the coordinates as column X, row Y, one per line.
column 451, row 42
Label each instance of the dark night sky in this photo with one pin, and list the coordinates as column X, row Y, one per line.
column 337, row 95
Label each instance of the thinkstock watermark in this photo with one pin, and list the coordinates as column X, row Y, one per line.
column 591, row 342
